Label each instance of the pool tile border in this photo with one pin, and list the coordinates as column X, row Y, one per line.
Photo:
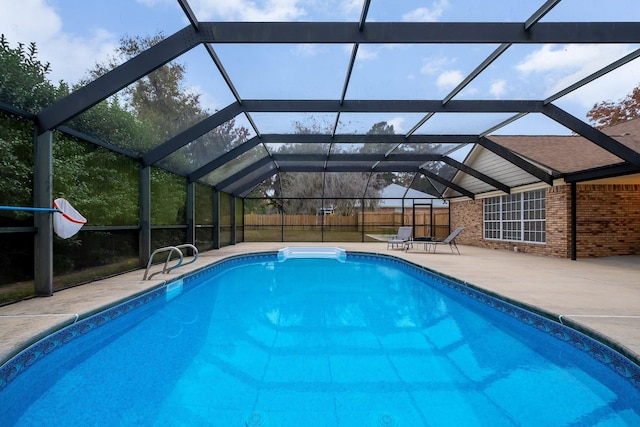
column 617, row 362
column 37, row 351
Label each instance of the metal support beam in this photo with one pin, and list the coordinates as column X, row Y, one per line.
column 216, row 219
column 502, row 124
column 223, row 72
column 418, row 32
column 246, row 188
column 42, row 198
column 225, row 158
column 447, row 183
column 16, row 111
column 574, row 221
column 191, row 213
column 476, row 174
column 419, row 124
column 601, row 172
column 363, row 14
column 144, row 249
column 352, row 61
column 381, row 167
column 368, row 138
column 327, row 32
column 233, row 219
column 120, row 77
column 620, row 62
column 479, row 69
column 389, row 106
column 222, row 185
column 184, row 4
column 540, row 13
column 592, row 134
column 518, row 161
column 96, row 141
column 358, row 157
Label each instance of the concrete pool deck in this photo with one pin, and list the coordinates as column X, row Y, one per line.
column 601, row 296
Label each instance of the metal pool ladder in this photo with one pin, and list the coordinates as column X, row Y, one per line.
column 171, row 250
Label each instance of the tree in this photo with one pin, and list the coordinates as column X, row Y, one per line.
column 24, row 82
column 160, row 98
column 163, row 102
column 24, row 85
column 417, row 181
column 305, row 192
column 609, row 113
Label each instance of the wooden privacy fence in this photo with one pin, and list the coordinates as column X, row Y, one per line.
column 373, row 222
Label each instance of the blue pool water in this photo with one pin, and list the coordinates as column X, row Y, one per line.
column 318, row 342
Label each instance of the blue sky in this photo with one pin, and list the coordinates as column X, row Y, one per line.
column 73, row 35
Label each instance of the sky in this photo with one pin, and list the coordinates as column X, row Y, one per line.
column 74, row 35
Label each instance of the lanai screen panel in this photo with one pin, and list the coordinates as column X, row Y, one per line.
column 241, row 67
column 299, row 148
column 294, row 123
column 374, row 123
column 236, row 165
column 285, row 71
column 209, row 146
column 411, row 71
column 365, row 148
column 244, row 184
column 462, row 123
column 351, row 185
column 301, row 165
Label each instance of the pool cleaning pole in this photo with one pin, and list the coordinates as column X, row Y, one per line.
column 21, row 208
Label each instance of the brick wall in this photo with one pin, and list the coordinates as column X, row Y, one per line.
column 608, row 222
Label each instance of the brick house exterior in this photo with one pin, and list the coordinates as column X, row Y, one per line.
column 607, row 210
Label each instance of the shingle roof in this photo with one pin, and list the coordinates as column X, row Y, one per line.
column 567, row 154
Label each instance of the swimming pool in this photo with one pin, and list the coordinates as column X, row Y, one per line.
column 361, row 340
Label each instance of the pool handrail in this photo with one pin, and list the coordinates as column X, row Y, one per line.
column 195, row 255
column 171, row 250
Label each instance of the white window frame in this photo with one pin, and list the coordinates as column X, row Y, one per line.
column 518, row 217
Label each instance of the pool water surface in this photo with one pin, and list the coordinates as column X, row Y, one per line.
column 370, row 341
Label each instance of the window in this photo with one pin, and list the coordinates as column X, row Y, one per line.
column 516, row 217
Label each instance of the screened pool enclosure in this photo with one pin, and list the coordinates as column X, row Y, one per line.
column 288, row 152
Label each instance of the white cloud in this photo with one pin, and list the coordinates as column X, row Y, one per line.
column 612, row 87
column 498, row 88
column 425, row 14
column 397, row 124
column 559, row 66
column 434, row 66
column 306, row 50
column 152, row 3
column 70, row 55
column 352, row 6
column 366, row 53
column 246, row 10
column 567, row 57
column 471, row 91
column 28, row 21
column 449, row 79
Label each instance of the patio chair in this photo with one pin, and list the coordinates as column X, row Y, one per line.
column 449, row 240
column 401, row 239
